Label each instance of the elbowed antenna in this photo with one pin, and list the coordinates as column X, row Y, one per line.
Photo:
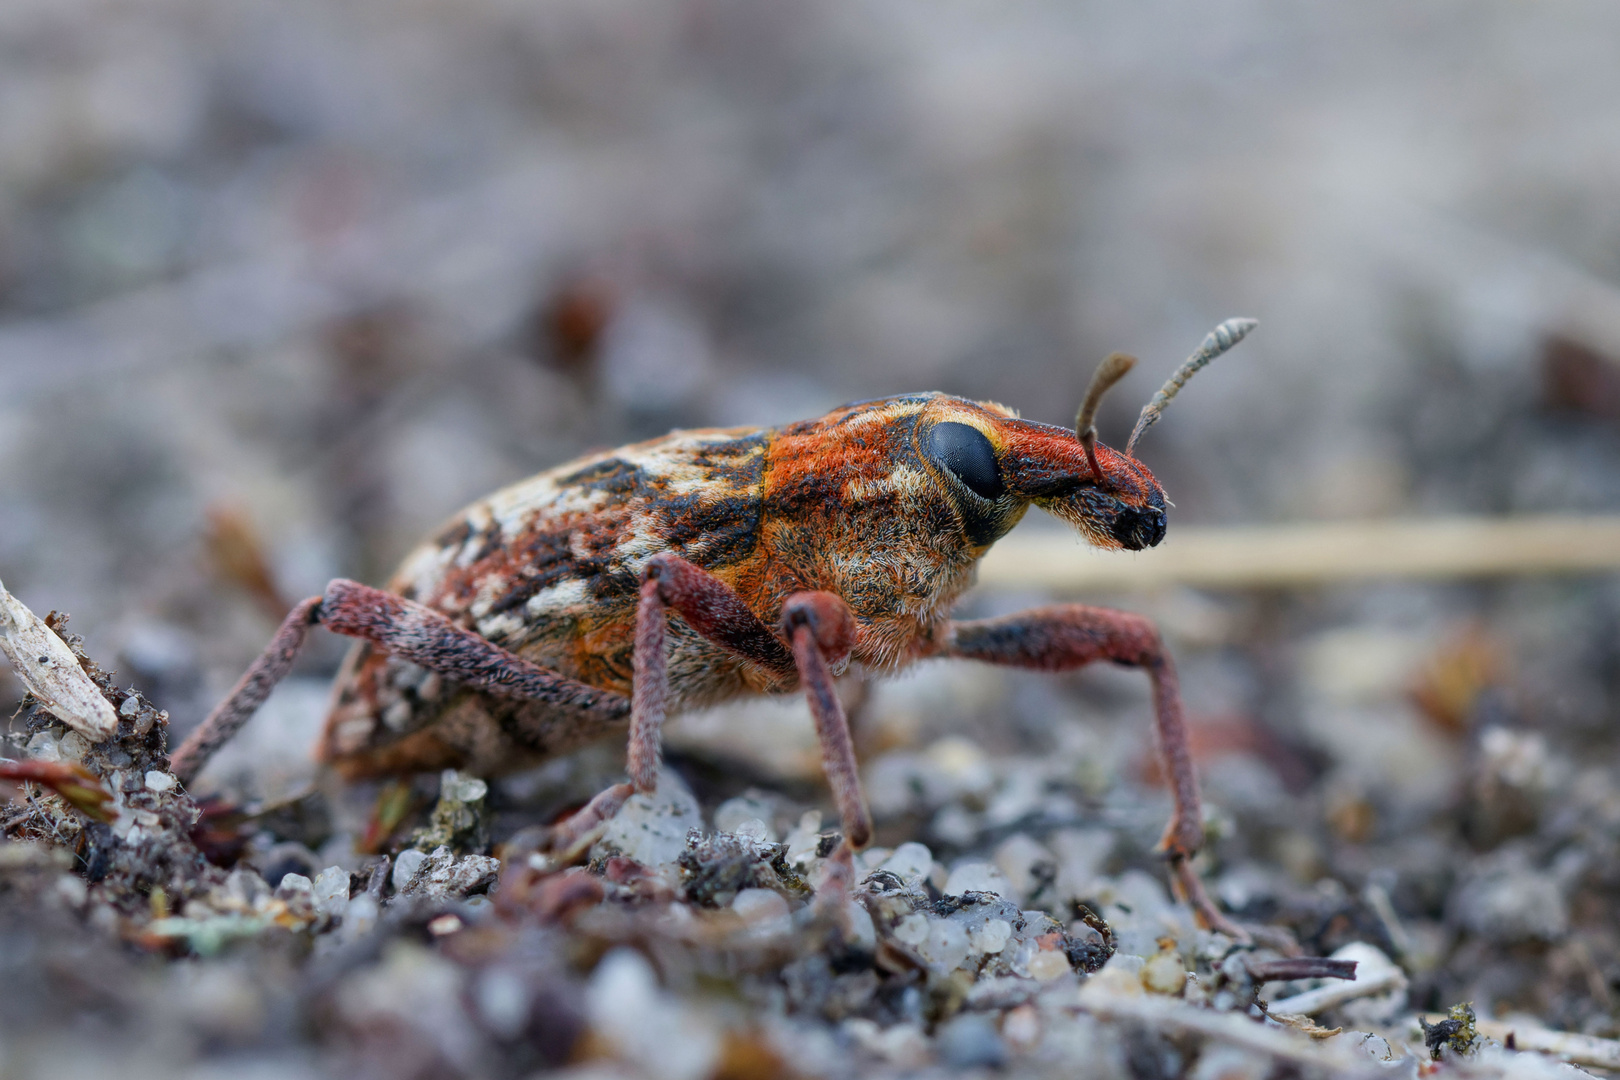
column 1217, row 341
column 1109, row 372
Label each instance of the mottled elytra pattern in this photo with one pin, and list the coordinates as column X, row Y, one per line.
column 860, row 503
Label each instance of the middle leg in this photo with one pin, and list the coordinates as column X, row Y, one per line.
column 819, row 631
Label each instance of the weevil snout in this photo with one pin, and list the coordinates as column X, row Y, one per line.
column 1136, row 528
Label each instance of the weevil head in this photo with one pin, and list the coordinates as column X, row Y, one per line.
column 994, row 465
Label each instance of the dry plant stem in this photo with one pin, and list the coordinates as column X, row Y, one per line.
column 1324, row 998
column 1232, row 1028
column 1304, row 555
column 51, row 672
column 1586, row 1050
column 1300, row 967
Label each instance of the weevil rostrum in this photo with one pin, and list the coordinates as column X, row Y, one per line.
column 688, row 570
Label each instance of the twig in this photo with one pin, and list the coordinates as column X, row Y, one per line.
column 1300, row 967
column 1232, row 1028
column 1579, row 1049
column 1317, row 554
column 51, row 672
column 1371, row 979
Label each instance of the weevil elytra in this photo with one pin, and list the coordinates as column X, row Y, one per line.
column 691, row 569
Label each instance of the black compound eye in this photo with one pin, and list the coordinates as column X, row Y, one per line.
column 969, row 456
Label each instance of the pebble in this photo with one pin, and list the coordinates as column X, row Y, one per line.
column 458, row 787
column 331, row 891
column 651, row 829
column 645, row 1026
column 910, row 862
column 43, row 747
column 913, row 929
column 969, row 877
column 74, row 746
column 946, row 946
column 1022, row 862
column 406, row 864
column 992, row 937
column 502, row 999
column 1164, row 973
column 294, row 885
column 731, row 815
column 1048, row 964
column 970, row 1039
column 160, row 781
column 760, row 906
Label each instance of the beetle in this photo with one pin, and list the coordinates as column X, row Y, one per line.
column 688, row 570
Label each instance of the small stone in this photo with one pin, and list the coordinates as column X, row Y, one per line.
column 74, row 746
column 757, row 831
column 160, row 781
column 295, row 885
column 447, row 923
column 405, row 867
column 360, row 917
column 978, row 877
column 760, row 906
column 1047, row 965
column 1028, row 867
column 910, row 862
column 43, row 747
column 862, row 931
column 1022, row 1027
column 992, row 937
column 644, row 1025
column 131, row 706
column 970, row 1039
column 804, row 841
column 912, row 930
column 502, row 999
column 946, row 946
column 460, row 788
column 730, row 815
column 1164, row 973
column 246, row 887
column 331, row 890
column 651, row 829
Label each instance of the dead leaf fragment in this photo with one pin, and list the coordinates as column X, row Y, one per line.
column 51, row 672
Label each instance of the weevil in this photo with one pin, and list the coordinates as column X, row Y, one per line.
column 685, row 571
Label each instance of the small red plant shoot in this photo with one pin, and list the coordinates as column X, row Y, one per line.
column 686, row 571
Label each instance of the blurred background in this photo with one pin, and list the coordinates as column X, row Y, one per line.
column 282, row 285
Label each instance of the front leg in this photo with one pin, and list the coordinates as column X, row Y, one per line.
column 1069, row 636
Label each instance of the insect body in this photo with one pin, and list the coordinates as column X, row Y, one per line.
column 688, row 570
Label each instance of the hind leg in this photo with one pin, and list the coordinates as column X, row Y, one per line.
column 404, row 628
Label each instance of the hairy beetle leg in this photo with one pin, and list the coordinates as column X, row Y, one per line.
column 820, row 630
column 403, row 627
column 1068, row 636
